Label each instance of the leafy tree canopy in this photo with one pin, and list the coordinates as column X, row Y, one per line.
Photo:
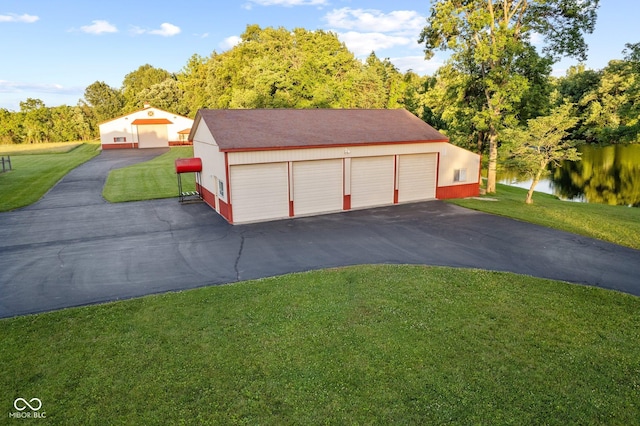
column 490, row 41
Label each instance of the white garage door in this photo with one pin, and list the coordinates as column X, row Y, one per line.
column 372, row 181
column 152, row 136
column 417, row 177
column 259, row 191
column 317, row 186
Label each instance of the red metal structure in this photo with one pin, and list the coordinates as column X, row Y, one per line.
column 188, row 165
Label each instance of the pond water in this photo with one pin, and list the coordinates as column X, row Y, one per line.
column 607, row 175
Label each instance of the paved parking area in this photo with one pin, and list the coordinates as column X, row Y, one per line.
column 73, row 248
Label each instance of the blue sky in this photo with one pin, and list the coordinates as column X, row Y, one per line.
column 52, row 50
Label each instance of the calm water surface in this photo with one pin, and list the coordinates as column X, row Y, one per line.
column 607, row 175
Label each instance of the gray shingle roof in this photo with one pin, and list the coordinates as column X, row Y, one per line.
column 268, row 129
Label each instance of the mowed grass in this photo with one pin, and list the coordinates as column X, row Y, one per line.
column 359, row 345
column 149, row 180
column 38, row 148
column 36, row 171
column 616, row 224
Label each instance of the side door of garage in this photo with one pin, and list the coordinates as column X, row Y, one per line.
column 259, row 191
column 372, row 181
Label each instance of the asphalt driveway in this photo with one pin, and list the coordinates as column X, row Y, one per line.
column 73, row 248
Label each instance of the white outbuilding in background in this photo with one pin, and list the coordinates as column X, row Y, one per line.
column 267, row 164
column 146, row 128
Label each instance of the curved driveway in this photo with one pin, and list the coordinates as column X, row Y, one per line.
column 73, row 248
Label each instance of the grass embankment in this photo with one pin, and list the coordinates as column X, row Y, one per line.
column 358, row 345
column 616, row 224
column 149, row 180
column 36, row 168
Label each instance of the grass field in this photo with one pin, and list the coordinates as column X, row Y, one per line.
column 38, row 148
column 616, row 224
column 37, row 169
column 149, row 180
column 359, row 345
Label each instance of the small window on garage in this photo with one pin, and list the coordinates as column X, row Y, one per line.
column 220, row 189
column 120, row 139
column 460, row 175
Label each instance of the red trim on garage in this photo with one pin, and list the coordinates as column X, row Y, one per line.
column 437, row 171
column 225, row 210
column 345, row 145
column 458, row 191
column 127, row 145
column 228, row 207
column 143, row 121
column 206, row 195
column 346, row 202
column 210, row 199
column 395, row 179
column 289, row 189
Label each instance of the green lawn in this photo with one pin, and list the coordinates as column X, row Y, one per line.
column 39, row 148
column 617, row 224
column 37, row 168
column 149, row 180
column 359, row 345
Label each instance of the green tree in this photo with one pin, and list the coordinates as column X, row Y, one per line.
column 489, row 37
column 36, row 121
column 279, row 68
column 106, row 101
column 136, row 81
column 192, row 81
column 11, row 128
column 166, row 95
column 530, row 151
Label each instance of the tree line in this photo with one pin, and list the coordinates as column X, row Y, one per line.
column 495, row 80
column 269, row 68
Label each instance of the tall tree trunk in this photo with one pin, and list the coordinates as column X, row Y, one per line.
column 493, row 160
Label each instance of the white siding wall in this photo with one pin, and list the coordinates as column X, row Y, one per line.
column 122, row 127
column 213, row 166
column 253, row 157
column 452, row 158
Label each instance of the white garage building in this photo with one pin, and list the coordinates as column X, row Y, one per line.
column 147, row 128
column 270, row 164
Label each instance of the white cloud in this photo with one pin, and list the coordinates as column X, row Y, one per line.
column 24, row 18
column 368, row 20
column 418, row 64
column 99, row 27
column 166, row 30
column 536, row 39
column 230, row 42
column 364, row 43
